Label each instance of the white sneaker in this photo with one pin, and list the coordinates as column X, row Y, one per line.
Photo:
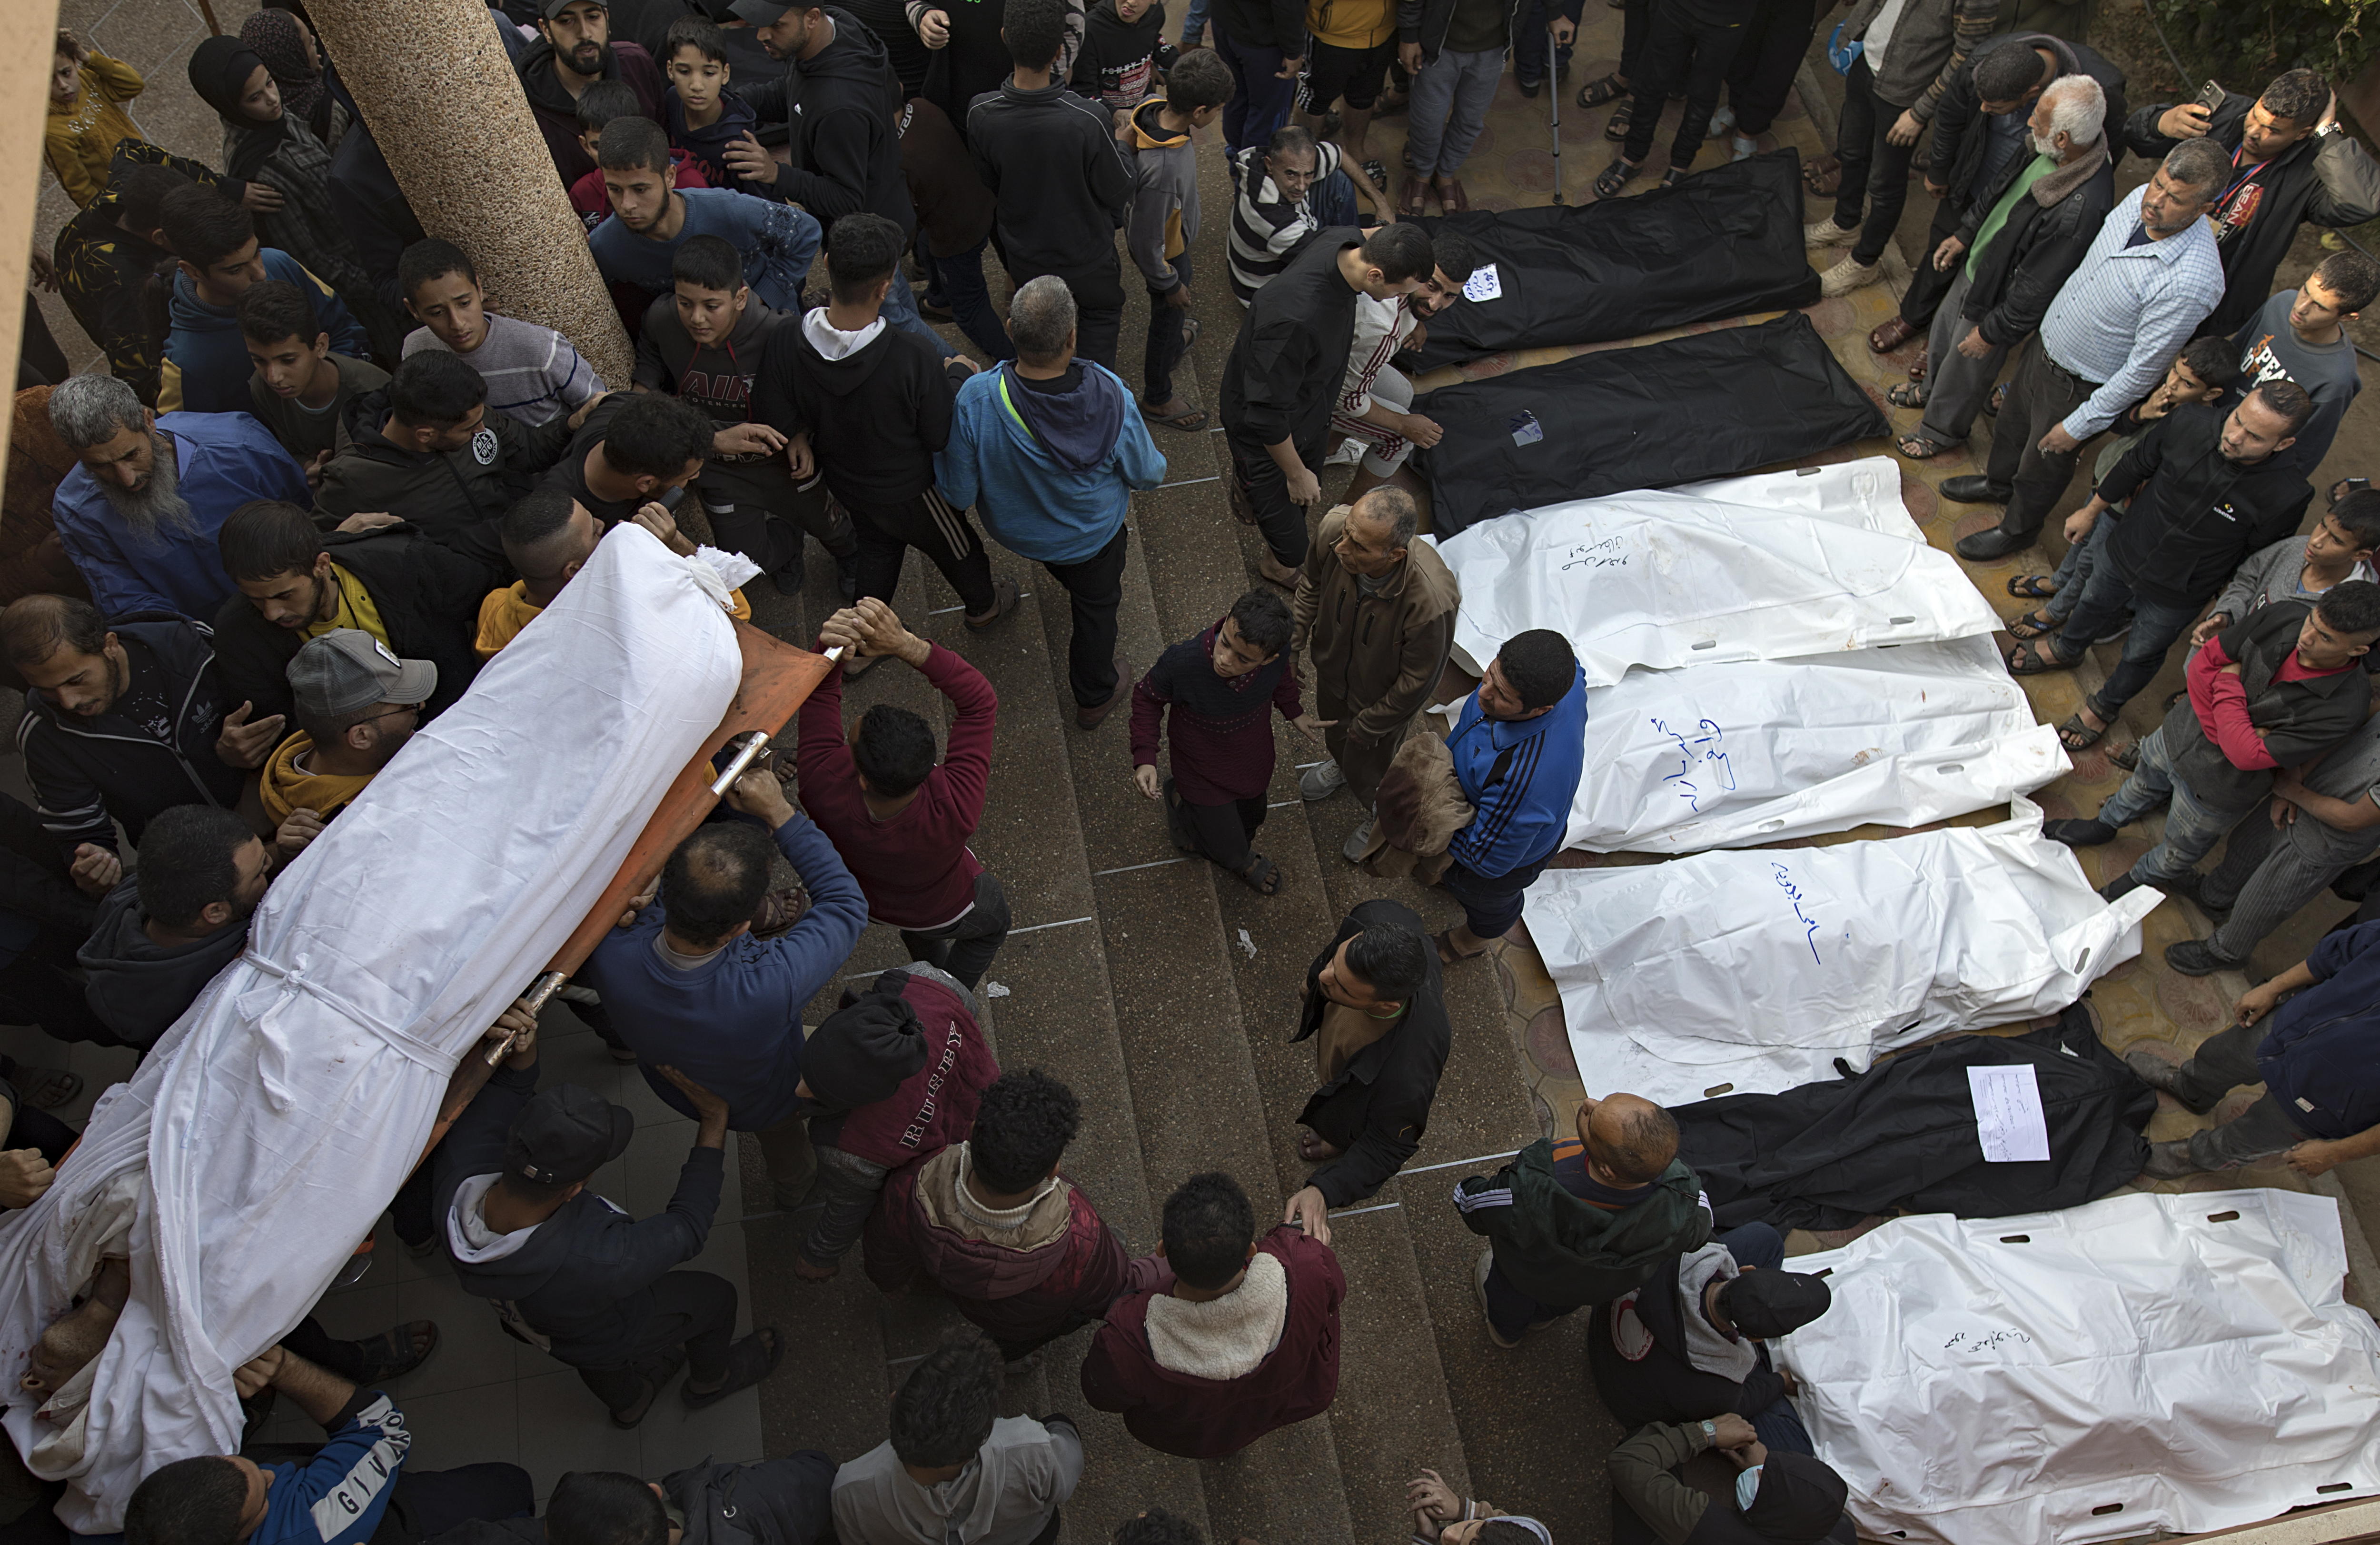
column 1847, row 276
column 1347, row 454
column 1826, row 233
column 1745, row 148
column 1322, row 780
column 1721, row 121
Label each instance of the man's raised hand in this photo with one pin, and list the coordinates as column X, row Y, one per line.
column 243, row 744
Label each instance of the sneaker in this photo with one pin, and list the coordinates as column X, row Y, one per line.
column 1528, row 88
column 1358, row 841
column 2197, row 958
column 1479, row 1289
column 1721, row 121
column 1847, row 276
column 1322, row 780
column 2078, row 833
column 2121, row 886
column 1826, row 233
column 2169, row 1162
column 1745, row 148
column 2161, row 1076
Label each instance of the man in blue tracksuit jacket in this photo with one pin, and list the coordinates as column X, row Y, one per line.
column 1518, row 748
column 1049, row 449
column 2319, row 1063
column 352, row 1486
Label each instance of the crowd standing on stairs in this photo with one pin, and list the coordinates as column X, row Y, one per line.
column 297, row 531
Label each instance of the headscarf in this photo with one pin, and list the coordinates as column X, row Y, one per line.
column 279, row 40
column 220, row 68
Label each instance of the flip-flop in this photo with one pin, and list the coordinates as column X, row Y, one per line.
column 1188, row 420
column 1448, row 954
column 390, row 1353
column 748, row 1361
column 1920, row 447
column 1992, row 402
column 1259, row 874
column 2033, row 587
column 2032, row 625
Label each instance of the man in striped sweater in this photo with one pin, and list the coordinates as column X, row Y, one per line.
column 1376, row 402
column 1518, row 750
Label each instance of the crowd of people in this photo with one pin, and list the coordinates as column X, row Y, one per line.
column 321, row 483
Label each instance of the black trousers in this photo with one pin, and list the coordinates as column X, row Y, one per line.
column 1166, row 344
column 30, row 1128
column 694, row 1309
column 1875, row 171
column 1761, row 79
column 426, row 1504
column 1095, row 588
column 38, row 991
column 1223, row 832
column 2041, row 394
column 1928, row 285
column 1681, row 55
column 965, row 947
column 1635, row 25
column 757, row 509
column 931, row 525
column 1265, row 489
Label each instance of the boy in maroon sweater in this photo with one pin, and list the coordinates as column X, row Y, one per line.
column 893, row 1076
column 1220, row 686
column 1243, row 1339
column 901, row 822
column 1016, row 1246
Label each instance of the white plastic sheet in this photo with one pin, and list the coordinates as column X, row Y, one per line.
column 283, row 1110
column 1759, row 751
column 2147, row 1362
column 1765, row 568
column 1752, row 972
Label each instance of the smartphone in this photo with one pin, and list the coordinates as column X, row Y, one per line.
column 2210, row 96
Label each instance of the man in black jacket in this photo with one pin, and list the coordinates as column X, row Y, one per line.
column 427, row 450
column 2206, row 491
column 2292, row 165
column 1687, row 1346
column 124, row 721
column 1979, row 129
column 1281, row 379
column 171, row 925
column 1058, row 179
column 573, row 1274
column 2276, row 688
column 2026, row 231
column 771, row 1501
column 632, row 449
column 1376, row 1013
column 297, row 583
column 574, row 50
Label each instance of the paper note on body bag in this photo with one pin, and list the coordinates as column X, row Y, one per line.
column 2009, row 1118
column 1482, row 285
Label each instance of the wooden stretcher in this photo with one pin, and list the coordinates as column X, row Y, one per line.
column 777, row 678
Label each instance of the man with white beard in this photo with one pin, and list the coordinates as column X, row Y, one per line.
column 139, row 516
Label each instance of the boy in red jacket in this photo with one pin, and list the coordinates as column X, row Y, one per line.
column 1014, row 1245
column 1244, row 1339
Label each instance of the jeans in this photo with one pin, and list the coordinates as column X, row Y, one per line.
column 964, row 948
column 1333, row 201
column 1492, row 902
column 1166, row 343
column 1531, row 34
column 2074, row 571
column 970, row 301
column 2269, row 872
column 1956, row 386
column 2191, row 829
column 1194, row 25
column 1261, row 103
column 1875, row 171
column 1681, row 55
column 2041, row 394
column 694, row 1309
column 1451, row 94
column 2155, row 625
column 2220, row 1065
column 900, row 310
column 1095, row 589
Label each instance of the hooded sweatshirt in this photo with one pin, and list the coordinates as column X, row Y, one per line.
column 1024, row 1274
column 707, row 146
column 1121, row 60
column 456, row 497
column 1656, row 1357
column 846, row 144
column 289, row 783
column 556, row 111
column 138, row 987
column 1165, row 196
column 1049, row 465
column 1564, row 1251
column 875, row 414
column 207, row 366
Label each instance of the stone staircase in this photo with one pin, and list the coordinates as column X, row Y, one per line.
column 1163, row 993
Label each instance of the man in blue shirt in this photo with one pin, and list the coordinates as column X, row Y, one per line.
column 139, row 516
column 686, row 987
column 650, row 220
column 1518, row 748
column 342, row 1496
column 206, row 366
column 2320, row 1105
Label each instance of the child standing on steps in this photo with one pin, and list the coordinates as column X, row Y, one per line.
column 1219, row 686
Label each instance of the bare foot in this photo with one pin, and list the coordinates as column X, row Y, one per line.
column 1277, row 572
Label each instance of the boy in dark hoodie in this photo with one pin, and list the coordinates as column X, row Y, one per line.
column 172, row 924
column 1016, row 1246
column 214, row 240
column 706, row 342
column 574, row 50
column 1165, row 220
column 705, row 118
column 865, row 406
column 1124, row 53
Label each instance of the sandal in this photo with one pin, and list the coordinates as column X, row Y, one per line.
column 1451, row 196
column 1617, row 129
column 664, row 1369
column 748, row 1361
column 1594, row 93
column 1615, row 177
column 1189, row 420
column 1448, row 954
column 1259, row 874
column 2036, row 659
column 1910, row 395
column 1823, row 175
column 2076, row 735
column 1921, row 447
column 1378, row 171
column 2032, row 625
column 1003, row 600
column 392, row 1354
column 2033, row 587
column 1918, row 370
column 1412, row 197
column 2129, row 758
column 1889, row 335
column 44, row 1089
column 1992, row 402
column 1673, row 176
column 779, row 911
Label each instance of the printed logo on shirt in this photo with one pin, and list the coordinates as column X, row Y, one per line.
column 2237, row 211
column 483, row 446
column 2260, row 364
column 2225, row 510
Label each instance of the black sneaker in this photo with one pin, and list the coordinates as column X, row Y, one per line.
column 2120, row 887
column 2078, row 833
column 1528, row 88
column 847, row 579
column 2197, row 958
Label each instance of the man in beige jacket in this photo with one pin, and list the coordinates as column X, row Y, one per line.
column 1377, row 610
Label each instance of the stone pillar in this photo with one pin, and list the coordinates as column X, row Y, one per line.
column 445, row 106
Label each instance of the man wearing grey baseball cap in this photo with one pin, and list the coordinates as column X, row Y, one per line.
column 357, row 706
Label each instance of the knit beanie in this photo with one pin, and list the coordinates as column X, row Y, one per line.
column 862, row 1054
